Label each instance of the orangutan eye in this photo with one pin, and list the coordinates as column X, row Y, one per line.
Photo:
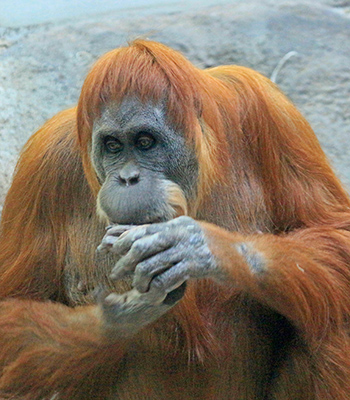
column 112, row 144
column 145, row 142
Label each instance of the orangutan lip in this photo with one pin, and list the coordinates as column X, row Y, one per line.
column 133, row 224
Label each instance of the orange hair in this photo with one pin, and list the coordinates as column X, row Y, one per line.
column 238, row 120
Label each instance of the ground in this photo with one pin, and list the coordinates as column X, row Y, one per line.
column 42, row 67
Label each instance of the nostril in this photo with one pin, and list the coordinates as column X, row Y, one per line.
column 129, row 181
column 129, row 174
column 122, row 181
column 134, row 180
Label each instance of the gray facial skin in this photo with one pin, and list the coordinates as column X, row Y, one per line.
column 136, row 154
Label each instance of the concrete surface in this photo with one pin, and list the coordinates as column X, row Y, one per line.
column 42, row 66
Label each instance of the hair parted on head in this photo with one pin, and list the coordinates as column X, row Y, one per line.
column 246, row 133
column 153, row 72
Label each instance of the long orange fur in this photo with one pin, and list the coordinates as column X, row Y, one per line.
column 278, row 333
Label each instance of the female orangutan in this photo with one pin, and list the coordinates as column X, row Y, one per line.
column 224, row 273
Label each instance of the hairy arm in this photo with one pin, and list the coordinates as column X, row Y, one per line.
column 304, row 275
column 48, row 348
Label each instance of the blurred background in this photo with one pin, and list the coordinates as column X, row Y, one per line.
column 47, row 47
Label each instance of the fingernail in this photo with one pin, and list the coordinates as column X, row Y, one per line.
column 111, row 299
column 109, row 240
column 101, row 249
column 118, row 275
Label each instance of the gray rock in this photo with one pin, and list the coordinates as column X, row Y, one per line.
column 42, row 67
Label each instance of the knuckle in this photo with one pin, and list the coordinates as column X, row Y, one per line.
column 188, row 223
column 118, row 249
column 140, row 231
column 115, row 273
column 119, row 243
column 184, row 219
column 158, row 283
column 196, row 239
column 109, row 240
column 205, row 251
column 137, row 247
column 152, row 228
column 143, row 269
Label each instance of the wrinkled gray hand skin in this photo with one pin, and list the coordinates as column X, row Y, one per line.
column 160, row 258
